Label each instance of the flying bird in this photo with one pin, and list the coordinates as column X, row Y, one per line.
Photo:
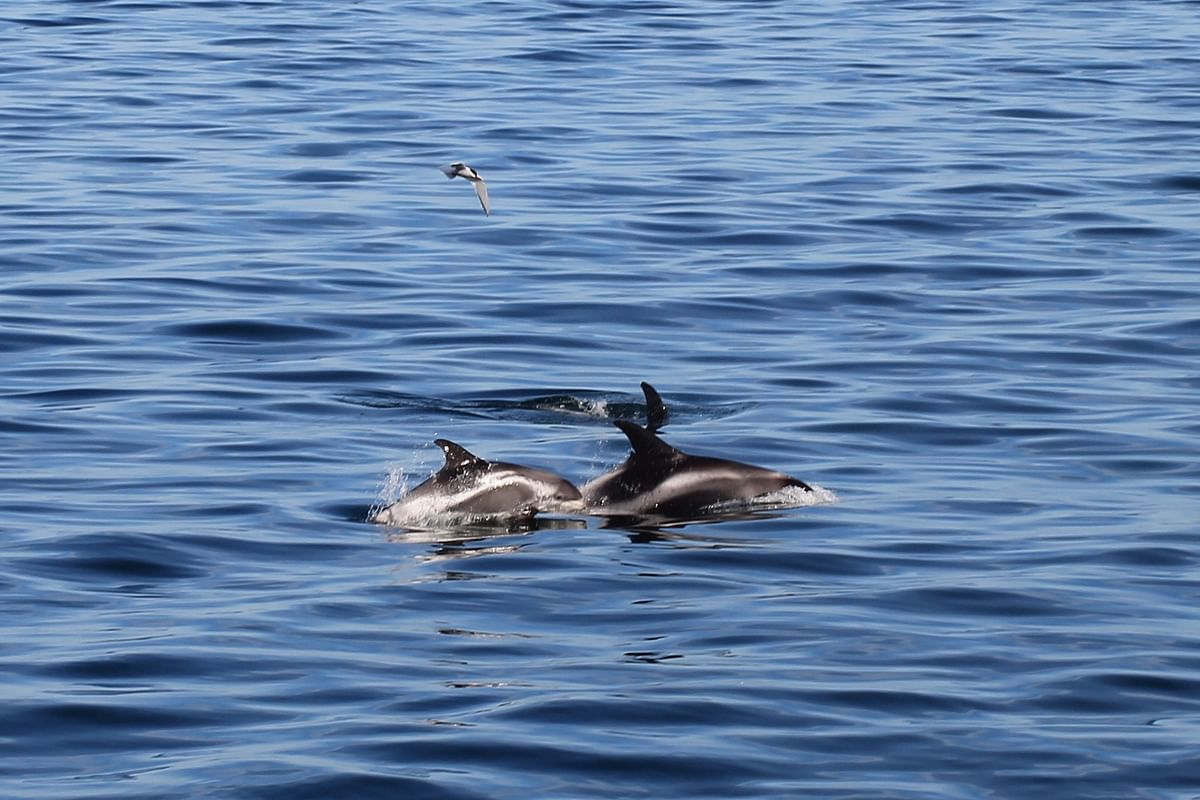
column 460, row 170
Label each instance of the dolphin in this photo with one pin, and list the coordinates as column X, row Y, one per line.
column 656, row 410
column 657, row 480
column 471, row 487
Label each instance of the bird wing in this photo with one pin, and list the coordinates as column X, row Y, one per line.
column 449, row 170
column 481, row 193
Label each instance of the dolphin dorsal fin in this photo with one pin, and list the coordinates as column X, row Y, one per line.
column 644, row 443
column 458, row 458
column 656, row 410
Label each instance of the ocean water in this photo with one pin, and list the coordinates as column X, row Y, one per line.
column 940, row 258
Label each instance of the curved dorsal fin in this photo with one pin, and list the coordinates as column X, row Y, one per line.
column 656, row 410
column 644, row 443
column 458, row 458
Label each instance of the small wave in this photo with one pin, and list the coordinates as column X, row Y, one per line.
column 1177, row 183
column 1125, row 232
column 247, row 331
column 324, row 176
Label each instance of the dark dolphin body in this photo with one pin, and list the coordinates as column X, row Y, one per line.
column 656, row 410
column 469, row 486
column 659, row 481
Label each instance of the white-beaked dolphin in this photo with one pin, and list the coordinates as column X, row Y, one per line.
column 469, row 486
column 657, row 480
column 460, row 170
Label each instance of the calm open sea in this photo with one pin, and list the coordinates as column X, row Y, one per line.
column 940, row 258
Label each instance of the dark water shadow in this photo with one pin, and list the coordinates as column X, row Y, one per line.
column 477, row 539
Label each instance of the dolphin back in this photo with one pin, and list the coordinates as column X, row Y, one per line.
column 645, row 444
column 459, row 460
column 656, row 410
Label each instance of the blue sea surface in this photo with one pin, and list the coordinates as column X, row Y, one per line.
column 939, row 258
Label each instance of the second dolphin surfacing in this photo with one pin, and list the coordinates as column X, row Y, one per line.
column 657, row 480
column 470, row 487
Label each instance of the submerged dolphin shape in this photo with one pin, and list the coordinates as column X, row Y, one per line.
column 660, row 481
column 460, row 170
column 470, row 486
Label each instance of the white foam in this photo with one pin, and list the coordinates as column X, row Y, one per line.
column 597, row 409
column 585, row 407
column 787, row 497
column 796, row 497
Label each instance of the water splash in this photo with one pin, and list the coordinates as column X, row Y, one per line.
column 787, row 497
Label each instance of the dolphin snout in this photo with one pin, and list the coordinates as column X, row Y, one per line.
column 566, row 499
column 573, row 506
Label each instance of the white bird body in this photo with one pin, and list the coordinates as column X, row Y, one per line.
column 460, row 170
